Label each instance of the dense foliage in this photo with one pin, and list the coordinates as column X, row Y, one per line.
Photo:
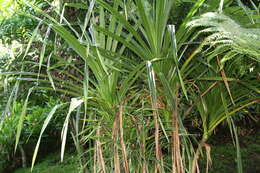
column 136, row 85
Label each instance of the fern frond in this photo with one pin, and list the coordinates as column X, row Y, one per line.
column 224, row 30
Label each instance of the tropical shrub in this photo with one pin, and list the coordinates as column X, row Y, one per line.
column 32, row 125
column 133, row 82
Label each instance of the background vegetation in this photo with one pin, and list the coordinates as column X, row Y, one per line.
column 129, row 85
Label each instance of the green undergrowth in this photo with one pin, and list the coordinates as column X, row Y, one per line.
column 52, row 164
column 224, row 159
column 223, row 156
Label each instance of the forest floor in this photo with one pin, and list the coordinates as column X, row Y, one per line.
column 51, row 164
column 223, row 154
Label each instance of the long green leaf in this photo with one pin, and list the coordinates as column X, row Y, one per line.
column 45, row 124
column 21, row 119
column 73, row 105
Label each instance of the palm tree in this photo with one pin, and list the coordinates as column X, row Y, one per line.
column 133, row 79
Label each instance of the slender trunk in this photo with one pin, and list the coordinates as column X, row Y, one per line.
column 95, row 159
column 23, row 155
column 140, row 133
column 158, row 152
column 100, row 157
column 195, row 166
column 115, row 139
column 177, row 165
column 144, row 164
column 124, row 155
